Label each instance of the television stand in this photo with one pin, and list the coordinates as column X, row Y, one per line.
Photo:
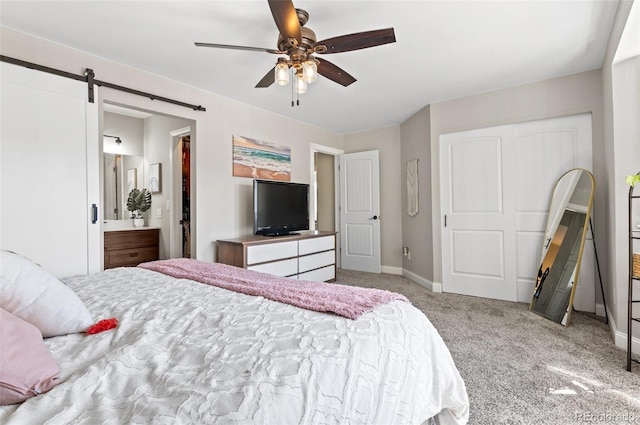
column 305, row 256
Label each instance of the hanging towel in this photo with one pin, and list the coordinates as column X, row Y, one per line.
column 412, row 187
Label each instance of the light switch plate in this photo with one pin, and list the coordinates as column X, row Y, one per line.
column 159, row 213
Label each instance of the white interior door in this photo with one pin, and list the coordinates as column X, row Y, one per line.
column 496, row 188
column 478, row 239
column 49, row 170
column 360, row 211
column 545, row 150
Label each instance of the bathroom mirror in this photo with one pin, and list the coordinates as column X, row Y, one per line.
column 121, row 174
column 567, row 226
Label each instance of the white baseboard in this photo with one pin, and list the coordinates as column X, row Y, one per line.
column 620, row 338
column 391, row 270
column 426, row 283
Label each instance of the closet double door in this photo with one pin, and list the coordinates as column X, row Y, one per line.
column 496, row 187
column 49, row 171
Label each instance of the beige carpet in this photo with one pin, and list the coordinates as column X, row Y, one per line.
column 520, row 368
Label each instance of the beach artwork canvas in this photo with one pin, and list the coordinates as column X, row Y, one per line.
column 261, row 160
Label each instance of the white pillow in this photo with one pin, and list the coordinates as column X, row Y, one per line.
column 36, row 296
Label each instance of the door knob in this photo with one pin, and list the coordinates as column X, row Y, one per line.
column 375, row 217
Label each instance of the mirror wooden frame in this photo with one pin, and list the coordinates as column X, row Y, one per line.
column 567, row 225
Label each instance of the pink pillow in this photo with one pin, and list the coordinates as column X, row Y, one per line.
column 26, row 366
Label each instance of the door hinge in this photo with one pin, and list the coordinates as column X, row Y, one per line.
column 445, row 220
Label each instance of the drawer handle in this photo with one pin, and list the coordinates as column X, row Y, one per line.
column 133, row 254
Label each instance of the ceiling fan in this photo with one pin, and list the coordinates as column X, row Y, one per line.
column 300, row 46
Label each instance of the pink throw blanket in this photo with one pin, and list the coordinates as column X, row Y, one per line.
column 348, row 301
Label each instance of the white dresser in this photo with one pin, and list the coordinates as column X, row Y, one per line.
column 306, row 256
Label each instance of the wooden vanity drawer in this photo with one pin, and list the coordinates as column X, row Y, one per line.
column 131, row 257
column 128, row 248
column 131, row 238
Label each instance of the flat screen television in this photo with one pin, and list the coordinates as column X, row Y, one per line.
column 280, row 208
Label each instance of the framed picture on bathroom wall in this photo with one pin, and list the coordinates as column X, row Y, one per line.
column 155, row 178
column 132, row 179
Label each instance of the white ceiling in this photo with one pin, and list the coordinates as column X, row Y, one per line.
column 444, row 50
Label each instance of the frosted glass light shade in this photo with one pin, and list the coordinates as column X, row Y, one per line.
column 282, row 74
column 301, row 85
column 309, row 71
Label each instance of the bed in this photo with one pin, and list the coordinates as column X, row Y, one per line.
column 185, row 352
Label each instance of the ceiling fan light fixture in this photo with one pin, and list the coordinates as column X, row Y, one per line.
column 282, row 73
column 309, row 71
column 300, row 84
column 299, row 45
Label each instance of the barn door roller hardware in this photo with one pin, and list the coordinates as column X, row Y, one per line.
column 89, row 78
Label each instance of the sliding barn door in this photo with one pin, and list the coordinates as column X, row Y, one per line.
column 49, row 170
column 496, row 186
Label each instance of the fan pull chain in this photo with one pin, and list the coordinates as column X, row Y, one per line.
column 291, row 76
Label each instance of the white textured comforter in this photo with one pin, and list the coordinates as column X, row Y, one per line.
column 188, row 353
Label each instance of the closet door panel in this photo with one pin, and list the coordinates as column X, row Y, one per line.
column 545, row 150
column 496, row 187
column 478, row 239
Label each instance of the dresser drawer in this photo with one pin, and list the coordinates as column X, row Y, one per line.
column 131, row 257
column 273, row 251
column 309, row 255
column 311, row 245
column 320, row 275
column 315, row 261
column 282, row 268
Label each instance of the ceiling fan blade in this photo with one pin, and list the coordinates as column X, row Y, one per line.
column 268, row 79
column 334, row 73
column 286, row 19
column 359, row 40
column 229, row 46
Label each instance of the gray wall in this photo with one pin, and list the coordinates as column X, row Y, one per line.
column 129, row 129
column 417, row 230
column 621, row 90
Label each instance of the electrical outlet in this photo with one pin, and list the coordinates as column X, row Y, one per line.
column 159, row 213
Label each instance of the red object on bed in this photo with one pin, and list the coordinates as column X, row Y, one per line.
column 103, row 325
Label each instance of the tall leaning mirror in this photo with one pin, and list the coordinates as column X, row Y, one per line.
column 564, row 237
